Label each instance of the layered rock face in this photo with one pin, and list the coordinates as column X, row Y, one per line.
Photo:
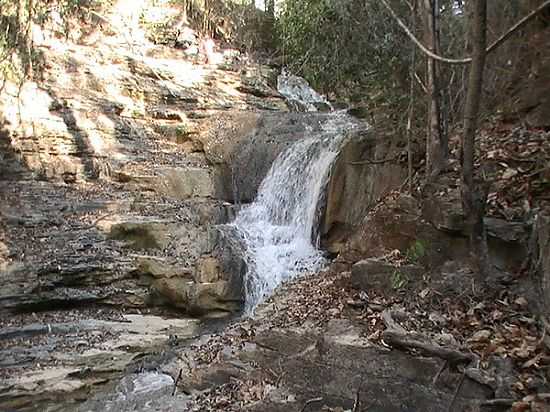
column 112, row 177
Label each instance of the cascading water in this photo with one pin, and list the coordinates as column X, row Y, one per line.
column 278, row 228
column 299, row 93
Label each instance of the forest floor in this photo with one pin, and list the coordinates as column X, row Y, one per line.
column 319, row 344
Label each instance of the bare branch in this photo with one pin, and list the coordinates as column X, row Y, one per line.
column 467, row 60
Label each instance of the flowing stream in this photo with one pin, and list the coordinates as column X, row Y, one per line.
column 279, row 229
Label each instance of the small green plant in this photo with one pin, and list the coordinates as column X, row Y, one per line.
column 138, row 113
column 399, row 280
column 416, row 251
column 182, row 130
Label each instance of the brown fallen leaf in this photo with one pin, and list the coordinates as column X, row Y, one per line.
column 481, row 336
column 532, row 362
column 521, row 406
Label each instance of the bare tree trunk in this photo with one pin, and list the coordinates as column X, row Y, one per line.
column 474, row 193
column 411, row 107
column 29, row 40
column 435, row 147
column 270, row 8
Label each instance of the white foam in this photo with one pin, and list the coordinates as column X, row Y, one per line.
column 278, row 229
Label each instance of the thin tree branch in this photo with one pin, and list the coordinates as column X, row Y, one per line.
column 518, row 25
column 421, row 83
column 375, row 162
column 467, row 60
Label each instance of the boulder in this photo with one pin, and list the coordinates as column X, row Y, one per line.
column 185, row 183
column 186, row 241
column 382, row 276
column 140, row 232
column 214, row 297
column 208, row 270
column 173, row 291
column 540, row 263
column 159, row 268
column 217, row 281
column 356, row 185
column 199, row 298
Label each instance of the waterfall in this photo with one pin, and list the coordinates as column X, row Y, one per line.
column 278, row 229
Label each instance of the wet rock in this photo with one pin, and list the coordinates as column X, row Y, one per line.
column 243, row 145
column 258, row 89
column 300, row 96
column 275, row 132
column 82, row 355
column 376, row 274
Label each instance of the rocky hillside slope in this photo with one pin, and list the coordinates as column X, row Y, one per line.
column 118, row 165
column 112, row 177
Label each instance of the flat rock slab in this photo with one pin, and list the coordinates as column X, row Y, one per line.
column 303, row 369
column 69, row 358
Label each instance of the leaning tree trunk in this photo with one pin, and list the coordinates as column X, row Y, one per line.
column 474, row 193
column 436, row 147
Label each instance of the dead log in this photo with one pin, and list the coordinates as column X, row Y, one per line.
column 421, row 343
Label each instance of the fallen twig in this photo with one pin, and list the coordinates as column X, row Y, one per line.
column 504, row 402
column 457, row 391
column 176, row 382
column 356, row 402
column 438, row 374
column 310, row 401
column 375, row 162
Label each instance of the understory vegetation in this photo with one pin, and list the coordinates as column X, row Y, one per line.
column 20, row 19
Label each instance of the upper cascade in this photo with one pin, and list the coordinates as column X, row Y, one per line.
column 300, row 94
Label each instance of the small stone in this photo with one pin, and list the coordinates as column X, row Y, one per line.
column 521, row 301
column 355, row 303
column 437, row 318
column 446, row 339
column 481, row 336
column 333, row 312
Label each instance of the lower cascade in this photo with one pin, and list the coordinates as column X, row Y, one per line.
column 279, row 228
